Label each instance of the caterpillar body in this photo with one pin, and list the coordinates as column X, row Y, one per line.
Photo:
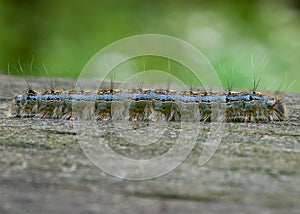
column 149, row 105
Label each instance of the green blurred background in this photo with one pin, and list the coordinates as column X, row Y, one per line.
column 64, row 35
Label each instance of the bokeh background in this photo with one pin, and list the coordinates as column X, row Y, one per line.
column 246, row 36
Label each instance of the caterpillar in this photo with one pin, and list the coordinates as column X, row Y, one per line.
column 149, row 105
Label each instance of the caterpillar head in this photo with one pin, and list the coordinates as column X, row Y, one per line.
column 280, row 111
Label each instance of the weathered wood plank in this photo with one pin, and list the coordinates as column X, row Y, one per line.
column 256, row 169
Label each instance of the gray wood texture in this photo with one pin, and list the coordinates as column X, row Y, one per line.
column 43, row 169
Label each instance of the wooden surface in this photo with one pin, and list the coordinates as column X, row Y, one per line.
column 256, row 169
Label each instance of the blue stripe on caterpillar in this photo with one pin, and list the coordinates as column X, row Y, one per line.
column 139, row 104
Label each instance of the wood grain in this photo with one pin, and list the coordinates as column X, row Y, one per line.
column 256, row 169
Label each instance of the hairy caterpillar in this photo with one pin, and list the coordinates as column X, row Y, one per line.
column 149, row 105
column 143, row 104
